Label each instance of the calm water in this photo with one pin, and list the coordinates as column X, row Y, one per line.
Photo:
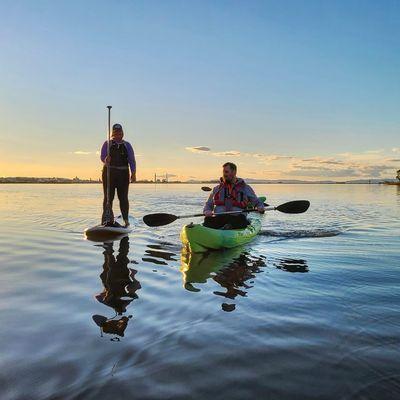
column 310, row 310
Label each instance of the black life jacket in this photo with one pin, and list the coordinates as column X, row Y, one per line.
column 119, row 154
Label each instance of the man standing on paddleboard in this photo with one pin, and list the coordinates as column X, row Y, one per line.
column 232, row 194
column 120, row 160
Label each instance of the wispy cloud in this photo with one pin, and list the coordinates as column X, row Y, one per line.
column 379, row 151
column 321, row 160
column 366, row 156
column 82, row 153
column 269, row 158
column 339, row 170
column 207, row 150
column 198, row 149
column 230, row 153
column 364, row 164
column 332, row 162
column 322, row 172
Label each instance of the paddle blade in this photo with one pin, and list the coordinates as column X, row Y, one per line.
column 294, row 207
column 206, row 189
column 159, row 219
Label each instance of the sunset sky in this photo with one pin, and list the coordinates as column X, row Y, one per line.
column 285, row 89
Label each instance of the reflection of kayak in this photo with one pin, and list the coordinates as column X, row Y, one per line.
column 198, row 267
column 198, row 239
column 232, row 269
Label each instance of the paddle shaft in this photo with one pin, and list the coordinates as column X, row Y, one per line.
column 225, row 213
column 291, row 207
column 108, row 155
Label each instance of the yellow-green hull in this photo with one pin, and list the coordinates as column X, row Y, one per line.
column 196, row 238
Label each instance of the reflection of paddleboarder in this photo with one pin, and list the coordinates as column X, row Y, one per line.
column 120, row 287
column 118, row 156
column 119, row 281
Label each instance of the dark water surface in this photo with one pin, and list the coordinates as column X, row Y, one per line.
column 309, row 310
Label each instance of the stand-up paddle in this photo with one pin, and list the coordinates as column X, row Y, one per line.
column 108, row 215
column 108, row 227
column 291, row 207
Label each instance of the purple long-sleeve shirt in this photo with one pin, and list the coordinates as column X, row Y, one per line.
column 129, row 149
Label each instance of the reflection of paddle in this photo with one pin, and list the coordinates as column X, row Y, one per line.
column 292, row 207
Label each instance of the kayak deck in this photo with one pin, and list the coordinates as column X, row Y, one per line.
column 199, row 239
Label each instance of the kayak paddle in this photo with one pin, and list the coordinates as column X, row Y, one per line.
column 291, row 207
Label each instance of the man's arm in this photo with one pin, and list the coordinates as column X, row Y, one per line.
column 251, row 195
column 209, row 206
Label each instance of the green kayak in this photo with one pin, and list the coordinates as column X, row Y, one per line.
column 198, row 239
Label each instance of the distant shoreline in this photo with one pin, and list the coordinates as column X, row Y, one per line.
column 67, row 181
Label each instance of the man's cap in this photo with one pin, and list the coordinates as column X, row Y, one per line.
column 117, row 127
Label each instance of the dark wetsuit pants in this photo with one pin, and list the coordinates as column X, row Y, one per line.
column 232, row 221
column 119, row 179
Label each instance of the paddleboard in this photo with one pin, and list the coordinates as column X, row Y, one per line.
column 106, row 231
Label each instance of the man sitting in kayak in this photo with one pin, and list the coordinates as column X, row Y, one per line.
column 232, row 194
column 120, row 159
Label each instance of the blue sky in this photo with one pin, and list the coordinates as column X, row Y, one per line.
column 267, row 84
